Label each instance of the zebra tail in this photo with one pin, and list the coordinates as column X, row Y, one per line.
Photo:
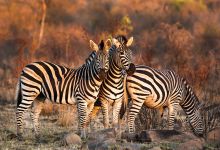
column 18, row 96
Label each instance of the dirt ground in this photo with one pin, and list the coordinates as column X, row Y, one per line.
column 52, row 135
column 51, row 132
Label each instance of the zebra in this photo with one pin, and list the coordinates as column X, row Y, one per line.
column 62, row 85
column 158, row 89
column 111, row 91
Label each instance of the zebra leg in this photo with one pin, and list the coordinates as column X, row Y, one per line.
column 94, row 112
column 89, row 112
column 133, row 111
column 93, row 115
column 82, row 107
column 159, row 117
column 35, row 113
column 105, row 105
column 19, row 116
column 22, row 106
column 116, row 108
column 90, row 108
column 172, row 113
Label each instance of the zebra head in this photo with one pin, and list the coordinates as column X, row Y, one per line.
column 196, row 120
column 125, row 54
column 197, row 126
column 102, row 57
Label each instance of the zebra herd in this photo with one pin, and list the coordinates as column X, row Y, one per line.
column 107, row 77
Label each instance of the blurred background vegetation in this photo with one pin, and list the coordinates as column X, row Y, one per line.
column 183, row 35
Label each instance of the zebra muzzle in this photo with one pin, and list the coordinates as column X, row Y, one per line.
column 102, row 74
column 131, row 69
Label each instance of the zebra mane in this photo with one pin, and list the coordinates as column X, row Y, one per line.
column 101, row 45
column 122, row 39
column 90, row 58
column 93, row 55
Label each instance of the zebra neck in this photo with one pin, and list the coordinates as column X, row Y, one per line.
column 190, row 99
column 115, row 69
column 94, row 73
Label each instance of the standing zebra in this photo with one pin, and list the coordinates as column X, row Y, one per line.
column 157, row 89
column 41, row 80
column 111, row 91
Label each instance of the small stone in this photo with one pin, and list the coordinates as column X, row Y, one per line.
column 72, row 138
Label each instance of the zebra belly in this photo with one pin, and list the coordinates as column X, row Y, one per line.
column 61, row 98
column 113, row 96
column 151, row 102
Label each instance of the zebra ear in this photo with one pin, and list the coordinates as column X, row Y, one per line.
column 93, row 46
column 129, row 42
column 108, row 44
column 115, row 42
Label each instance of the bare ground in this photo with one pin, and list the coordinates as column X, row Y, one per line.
column 52, row 135
column 51, row 132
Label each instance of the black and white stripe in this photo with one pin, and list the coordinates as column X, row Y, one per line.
column 62, row 85
column 111, row 91
column 158, row 89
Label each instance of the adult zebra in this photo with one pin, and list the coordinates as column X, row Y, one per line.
column 158, row 89
column 62, row 85
column 111, row 91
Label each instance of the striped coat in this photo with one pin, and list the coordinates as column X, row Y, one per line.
column 62, row 85
column 159, row 88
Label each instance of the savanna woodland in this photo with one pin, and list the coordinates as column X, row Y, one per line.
column 179, row 35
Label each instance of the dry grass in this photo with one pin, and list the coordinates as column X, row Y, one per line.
column 51, row 132
column 66, row 115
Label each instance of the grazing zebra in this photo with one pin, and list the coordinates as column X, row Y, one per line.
column 157, row 89
column 41, row 80
column 111, row 91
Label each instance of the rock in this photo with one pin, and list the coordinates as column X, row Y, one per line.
column 72, row 138
column 102, row 135
column 214, row 136
column 164, row 135
column 130, row 136
column 195, row 144
column 101, row 139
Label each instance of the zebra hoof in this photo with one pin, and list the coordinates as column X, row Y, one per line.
column 20, row 137
column 37, row 139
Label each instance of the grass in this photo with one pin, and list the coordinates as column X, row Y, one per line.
column 51, row 133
